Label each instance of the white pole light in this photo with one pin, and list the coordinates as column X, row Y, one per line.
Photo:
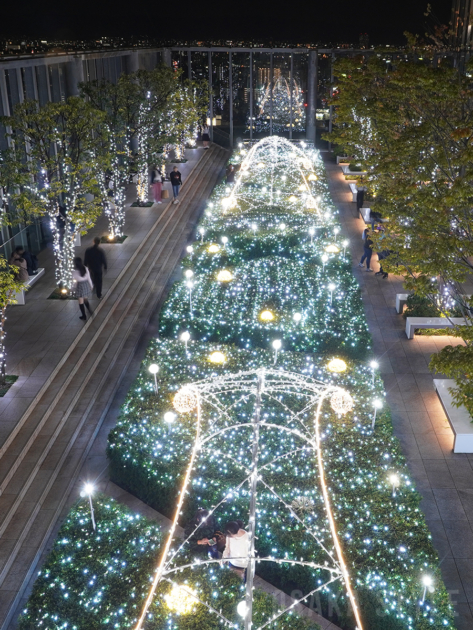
column 374, row 365
column 202, row 232
column 331, row 288
column 89, row 491
column 224, row 240
column 428, row 582
column 242, row 609
column 345, row 245
column 297, row 317
column 311, row 232
column 377, row 404
column 395, row 482
column 154, row 369
column 190, row 286
column 277, row 343
column 185, row 338
column 188, row 273
column 324, row 260
column 169, row 418
column 190, row 249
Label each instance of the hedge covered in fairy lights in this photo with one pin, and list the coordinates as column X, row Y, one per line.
column 285, row 269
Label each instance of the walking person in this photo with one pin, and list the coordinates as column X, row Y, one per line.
column 230, row 174
column 81, row 276
column 156, row 184
column 96, row 262
column 367, row 250
column 176, row 181
column 201, row 533
column 237, row 548
column 205, row 136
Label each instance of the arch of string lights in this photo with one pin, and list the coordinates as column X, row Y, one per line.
column 286, row 170
column 223, row 394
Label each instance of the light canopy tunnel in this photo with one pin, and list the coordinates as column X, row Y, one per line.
column 270, row 407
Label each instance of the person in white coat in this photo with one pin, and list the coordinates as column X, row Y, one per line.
column 83, row 286
column 237, row 548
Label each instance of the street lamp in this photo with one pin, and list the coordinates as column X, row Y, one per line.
column 377, row 404
column 154, row 369
column 374, row 365
column 395, row 482
column 277, row 343
column 428, row 582
column 202, row 232
column 89, row 491
column 324, row 260
column 185, row 338
column 331, row 288
column 345, row 245
column 169, row 418
column 297, row 317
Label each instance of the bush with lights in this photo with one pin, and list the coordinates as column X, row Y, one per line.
column 386, row 539
column 248, row 281
column 99, row 578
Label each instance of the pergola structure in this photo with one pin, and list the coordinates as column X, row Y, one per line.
column 214, row 402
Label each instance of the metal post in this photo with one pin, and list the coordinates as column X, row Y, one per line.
column 312, row 96
column 271, row 72
column 250, row 574
column 189, row 65
column 331, row 95
column 251, row 95
column 230, row 95
column 167, row 59
column 211, row 98
column 291, row 89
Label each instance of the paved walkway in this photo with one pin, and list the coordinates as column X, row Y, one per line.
column 444, row 479
column 43, row 448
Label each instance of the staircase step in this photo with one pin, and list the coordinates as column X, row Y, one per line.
column 41, row 461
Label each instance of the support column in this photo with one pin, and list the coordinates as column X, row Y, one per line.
column 331, row 106
column 167, row 60
column 291, row 91
column 211, row 98
column 74, row 75
column 251, row 95
column 230, row 95
column 253, row 496
column 271, row 80
column 311, row 96
column 133, row 62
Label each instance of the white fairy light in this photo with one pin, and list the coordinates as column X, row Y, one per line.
column 277, row 344
column 154, row 369
column 377, row 404
column 374, row 365
column 88, row 491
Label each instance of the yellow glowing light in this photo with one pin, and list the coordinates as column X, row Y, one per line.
column 213, row 248
column 244, row 167
column 185, row 400
column 217, row 357
column 302, row 187
column 307, row 164
column 181, row 599
column 110, row 237
column 341, row 402
column 332, row 249
column 292, row 198
column 337, row 365
column 266, row 316
column 261, row 164
column 224, row 276
column 64, row 291
column 312, row 177
column 311, row 203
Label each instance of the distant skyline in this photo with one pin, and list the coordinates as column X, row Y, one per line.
column 306, row 21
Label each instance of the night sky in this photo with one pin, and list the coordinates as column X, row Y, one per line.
column 299, row 21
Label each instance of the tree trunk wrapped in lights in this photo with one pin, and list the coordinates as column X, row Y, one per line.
column 9, row 287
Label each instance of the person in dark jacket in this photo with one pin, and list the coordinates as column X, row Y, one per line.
column 230, row 174
column 367, row 251
column 176, row 181
column 96, row 263
column 205, row 528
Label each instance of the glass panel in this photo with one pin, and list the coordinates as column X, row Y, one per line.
column 28, row 83
column 299, row 95
column 42, row 84
column 262, row 95
column 241, row 95
column 221, row 102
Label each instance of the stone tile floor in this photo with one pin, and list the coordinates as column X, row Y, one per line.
column 39, row 332
column 444, row 478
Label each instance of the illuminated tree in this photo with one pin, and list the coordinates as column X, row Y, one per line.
column 411, row 127
column 59, row 152
column 9, row 287
column 281, row 107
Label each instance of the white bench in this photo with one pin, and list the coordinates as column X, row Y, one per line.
column 346, row 171
column 401, row 301
column 365, row 215
column 20, row 296
column 354, row 190
column 459, row 418
column 431, row 322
